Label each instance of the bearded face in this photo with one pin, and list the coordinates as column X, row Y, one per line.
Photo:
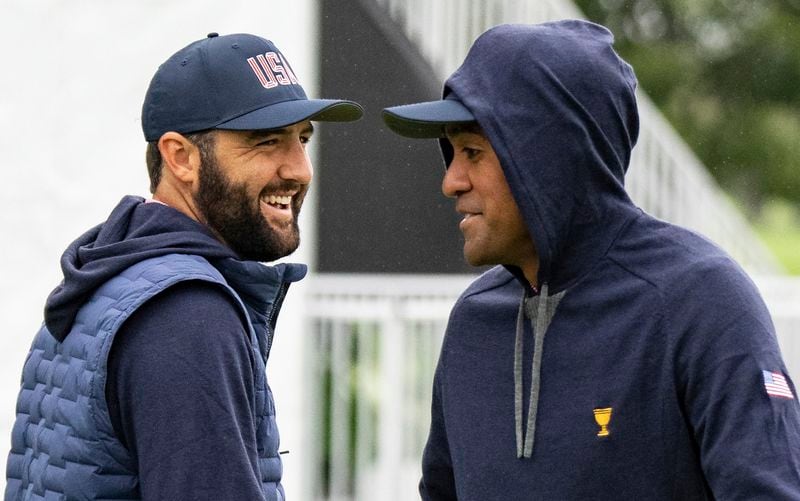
column 254, row 215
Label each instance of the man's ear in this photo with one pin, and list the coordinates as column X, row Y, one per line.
column 180, row 157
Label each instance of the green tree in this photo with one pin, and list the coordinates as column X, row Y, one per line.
column 726, row 73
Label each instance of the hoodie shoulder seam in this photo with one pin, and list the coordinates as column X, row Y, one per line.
column 478, row 287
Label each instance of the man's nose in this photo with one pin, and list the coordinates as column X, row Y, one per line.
column 297, row 165
column 455, row 180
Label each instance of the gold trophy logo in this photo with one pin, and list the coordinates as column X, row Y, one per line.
column 602, row 417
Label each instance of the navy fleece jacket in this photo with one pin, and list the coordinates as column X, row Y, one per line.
column 180, row 395
column 654, row 365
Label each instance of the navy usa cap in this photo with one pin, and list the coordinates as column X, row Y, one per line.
column 427, row 120
column 233, row 82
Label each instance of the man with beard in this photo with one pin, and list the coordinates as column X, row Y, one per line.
column 147, row 379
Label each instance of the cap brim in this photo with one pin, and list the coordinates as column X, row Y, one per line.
column 287, row 113
column 426, row 120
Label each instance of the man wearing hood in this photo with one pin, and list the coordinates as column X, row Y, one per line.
column 613, row 355
column 147, row 379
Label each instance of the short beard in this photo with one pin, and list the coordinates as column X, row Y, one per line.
column 238, row 220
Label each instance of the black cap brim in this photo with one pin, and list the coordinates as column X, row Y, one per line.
column 426, row 120
column 287, row 113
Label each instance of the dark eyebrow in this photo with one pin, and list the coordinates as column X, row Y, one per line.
column 262, row 133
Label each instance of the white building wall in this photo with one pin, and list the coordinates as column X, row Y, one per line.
column 74, row 75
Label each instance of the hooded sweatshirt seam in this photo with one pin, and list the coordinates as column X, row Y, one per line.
column 483, row 288
column 601, row 257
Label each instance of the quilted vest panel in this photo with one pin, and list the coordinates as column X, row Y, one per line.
column 63, row 444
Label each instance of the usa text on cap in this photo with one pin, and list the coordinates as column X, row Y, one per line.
column 235, row 82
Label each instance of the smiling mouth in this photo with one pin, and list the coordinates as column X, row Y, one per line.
column 279, row 202
column 467, row 217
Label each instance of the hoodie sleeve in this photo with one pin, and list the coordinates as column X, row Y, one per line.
column 747, row 429
column 181, row 397
column 437, row 483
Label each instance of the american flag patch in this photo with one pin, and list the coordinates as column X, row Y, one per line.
column 776, row 386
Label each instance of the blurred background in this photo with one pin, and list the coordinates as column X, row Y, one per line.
column 357, row 341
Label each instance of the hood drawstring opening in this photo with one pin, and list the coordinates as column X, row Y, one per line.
column 540, row 310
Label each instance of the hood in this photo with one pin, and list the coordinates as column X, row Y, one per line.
column 559, row 107
column 134, row 231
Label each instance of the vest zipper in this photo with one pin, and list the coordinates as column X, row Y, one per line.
column 273, row 316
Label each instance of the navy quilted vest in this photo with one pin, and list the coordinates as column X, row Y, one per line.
column 63, row 444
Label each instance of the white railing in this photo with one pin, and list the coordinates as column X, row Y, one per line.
column 374, row 342
column 665, row 177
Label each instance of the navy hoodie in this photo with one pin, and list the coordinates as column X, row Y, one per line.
column 177, row 390
column 648, row 368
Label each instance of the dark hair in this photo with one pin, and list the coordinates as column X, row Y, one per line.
column 204, row 140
